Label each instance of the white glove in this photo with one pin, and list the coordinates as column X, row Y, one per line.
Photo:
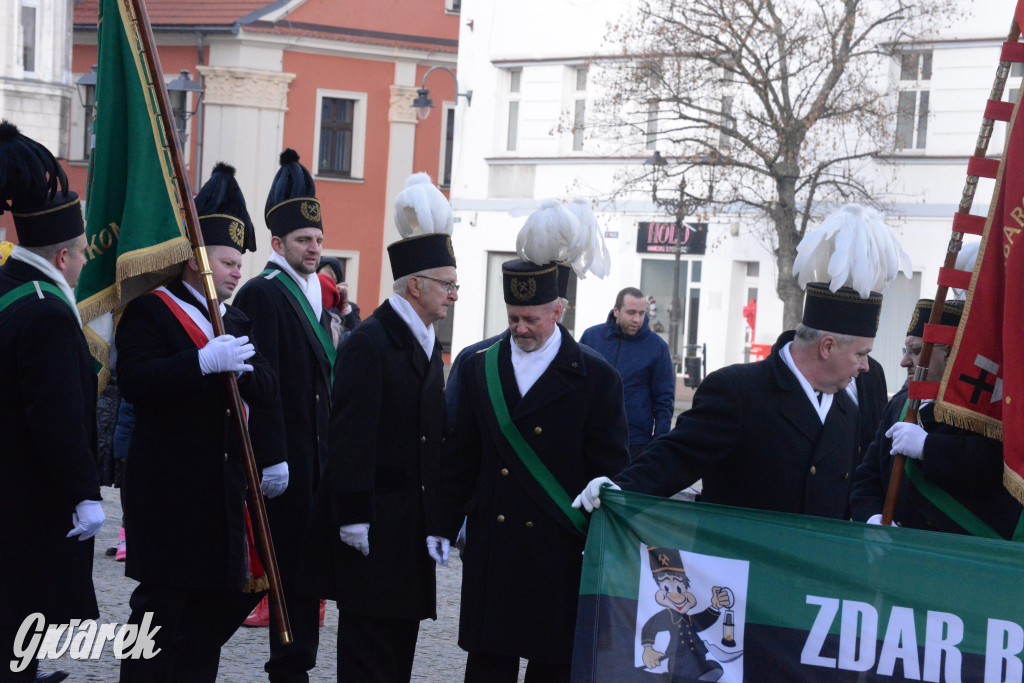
column 357, row 536
column 87, row 519
column 590, row 497
column 226, row 354
column 275, row 480
column 908, row 439
column 877, row 519
column 437, row 548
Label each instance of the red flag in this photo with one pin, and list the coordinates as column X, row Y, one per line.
column 979, row 390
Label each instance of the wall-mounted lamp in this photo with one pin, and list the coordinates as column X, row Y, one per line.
column 177, row 91
column 423, row 104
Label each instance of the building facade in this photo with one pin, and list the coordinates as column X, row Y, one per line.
column 526, row 138
column 335, row 81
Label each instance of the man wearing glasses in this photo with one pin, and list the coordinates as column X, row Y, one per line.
column 387, row 428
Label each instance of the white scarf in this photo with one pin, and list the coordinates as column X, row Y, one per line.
column 812, row 395
column 424, row 334
column 50, row 271
column 530, row 365
column 193, row 311
column 309, row 284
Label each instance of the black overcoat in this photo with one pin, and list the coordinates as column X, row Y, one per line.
column 298, row 433
column 522, row 561
column 872, row 395
column 184, row 492
column 967, row 466
column 756, row 441
column 386, row 431
column 47, row 456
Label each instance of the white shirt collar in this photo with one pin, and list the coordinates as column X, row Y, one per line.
column 202, row 300
column 309, row 284
column 530, row 365
column 424, row 334
column 812, row 395
column 49, row 270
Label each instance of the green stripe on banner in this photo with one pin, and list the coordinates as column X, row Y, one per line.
column 812, row 598
column 538, row 470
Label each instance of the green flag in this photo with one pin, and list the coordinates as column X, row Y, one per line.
column 677, row 591
column 134, row 223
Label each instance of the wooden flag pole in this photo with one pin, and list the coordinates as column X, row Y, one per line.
column 255, row 496
column 955, row 242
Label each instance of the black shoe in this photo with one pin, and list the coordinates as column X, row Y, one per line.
column 109, row 552
column 55, row 677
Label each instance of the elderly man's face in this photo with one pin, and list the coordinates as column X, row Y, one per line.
column 532, row 325
column 844, row 362
column 434, row 295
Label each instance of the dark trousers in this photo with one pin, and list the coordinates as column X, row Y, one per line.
column 373, row 650
column 194, row 624
column 483, row 667
column 291, row 663
column 7, row 636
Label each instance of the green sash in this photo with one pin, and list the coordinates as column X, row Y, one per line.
column 526, row 455
column 321, row 333
column 949, row 505
column 29, row 289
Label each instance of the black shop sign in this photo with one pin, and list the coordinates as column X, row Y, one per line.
column 660, row 238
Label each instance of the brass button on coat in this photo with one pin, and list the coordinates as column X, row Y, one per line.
column 529, row 525
column 504, row 471
column 537, row 430
column 501, row 518
column 228, row 412
column 814, row 470
column 846, row 475
column 423, row 439
column 225, row 457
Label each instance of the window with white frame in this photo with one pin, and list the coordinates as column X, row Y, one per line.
column 912, row 105
column 29, row 35
column 579, row 103
column 447, row 143
column 453, row 6
column 340, row 144
column 515, row 78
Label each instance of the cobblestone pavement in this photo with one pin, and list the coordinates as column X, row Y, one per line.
column 438, row 657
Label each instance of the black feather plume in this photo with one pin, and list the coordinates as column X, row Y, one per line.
column 221, row 194
column 29, row 173
column 292, row 180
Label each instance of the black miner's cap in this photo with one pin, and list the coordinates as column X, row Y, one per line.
column 842, row 311
column 527, row 284
column 951, row 311
column 292, row 202
column 223, row 217
column 29, row 180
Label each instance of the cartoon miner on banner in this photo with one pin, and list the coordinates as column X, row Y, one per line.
column 687, row 653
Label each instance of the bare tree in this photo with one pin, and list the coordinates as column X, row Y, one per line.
column 788, row 101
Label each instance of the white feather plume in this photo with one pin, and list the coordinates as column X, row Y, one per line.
column 853, row 247
column 965, row 260
column 421, row 209
column 551, row 234
column 594, row 257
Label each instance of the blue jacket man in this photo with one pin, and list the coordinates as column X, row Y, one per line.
column 642, row 359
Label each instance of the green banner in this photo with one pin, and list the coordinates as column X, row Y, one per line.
column 677, row 591
column 134, row 224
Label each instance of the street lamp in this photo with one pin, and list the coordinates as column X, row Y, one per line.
column 87, row 96
column 423, row 104
column 177, row 91
column 680, row 204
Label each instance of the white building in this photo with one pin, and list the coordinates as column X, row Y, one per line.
column 35, row 70
column 527, row 62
